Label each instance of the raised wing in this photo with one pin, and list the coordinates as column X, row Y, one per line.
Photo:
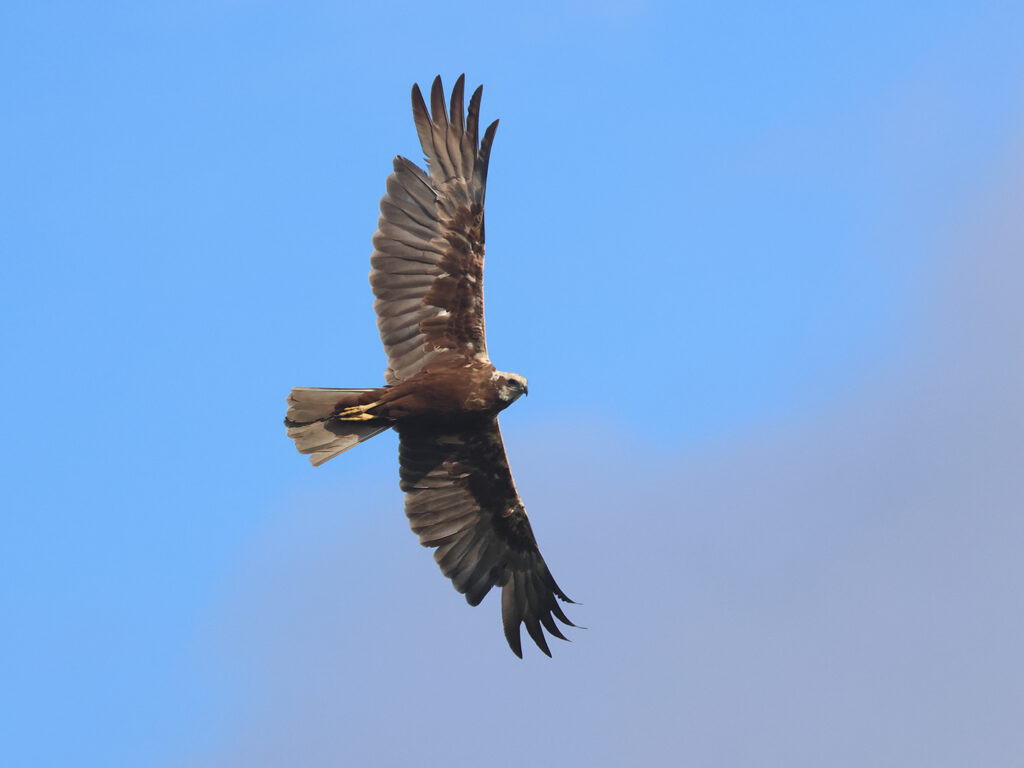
column 460, row 498
column 428, row 260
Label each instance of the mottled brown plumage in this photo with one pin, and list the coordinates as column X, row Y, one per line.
column 442, row 394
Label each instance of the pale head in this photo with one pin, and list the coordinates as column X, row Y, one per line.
column 510, row 386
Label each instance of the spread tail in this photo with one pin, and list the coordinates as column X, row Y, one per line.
column 322, row 422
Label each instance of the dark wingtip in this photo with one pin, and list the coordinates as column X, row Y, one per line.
column 551, row 626
column 457, row 108
column 485, row 143
column 514, row 640
column 473, row 117
column 438, row 109
column 534, row 630
column 553, row 586
column 560, row 615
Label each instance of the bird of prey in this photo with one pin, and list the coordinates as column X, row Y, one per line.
column 442, row 394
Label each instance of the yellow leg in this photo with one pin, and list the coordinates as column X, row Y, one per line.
column 358, row 412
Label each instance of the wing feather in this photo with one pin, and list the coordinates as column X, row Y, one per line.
column 399, row 217
column 439, row 132
column 394, row 249
column 402, row 326
column 424, row 129
column 413, row 180
column 483, row 160
column 402, row 278
column 458, row 110
column 418, row 238
column 479, row 584
column 532, row 618
column 551, row 626
column 467, row 147
column 473, row 114
column 432, row 516
column 408, row 202
column 514, row 597
column 452, row 555
column 395, row 307
column 460, row 498
column 435, row 534
column 432, row 225
column 417, row 355
column 477, row 564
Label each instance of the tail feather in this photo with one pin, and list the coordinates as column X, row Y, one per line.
column 312, row 403
column 312, row 422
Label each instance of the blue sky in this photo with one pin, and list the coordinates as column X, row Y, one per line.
column 757, row 263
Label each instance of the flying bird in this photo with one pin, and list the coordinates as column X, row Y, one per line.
column 442, row 393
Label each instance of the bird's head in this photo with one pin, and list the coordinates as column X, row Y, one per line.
column 510, row 386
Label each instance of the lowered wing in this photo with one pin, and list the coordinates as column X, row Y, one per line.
column 460, row 498
column 428, row 261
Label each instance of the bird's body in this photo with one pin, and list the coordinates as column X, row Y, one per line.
column 442, row 394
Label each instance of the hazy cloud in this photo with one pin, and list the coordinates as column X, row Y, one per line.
column 844, row 591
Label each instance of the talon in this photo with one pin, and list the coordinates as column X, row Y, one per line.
column 358, row 412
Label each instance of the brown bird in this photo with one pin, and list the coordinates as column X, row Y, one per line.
column 442, row 394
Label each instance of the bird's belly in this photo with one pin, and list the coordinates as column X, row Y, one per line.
column 439, row 397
